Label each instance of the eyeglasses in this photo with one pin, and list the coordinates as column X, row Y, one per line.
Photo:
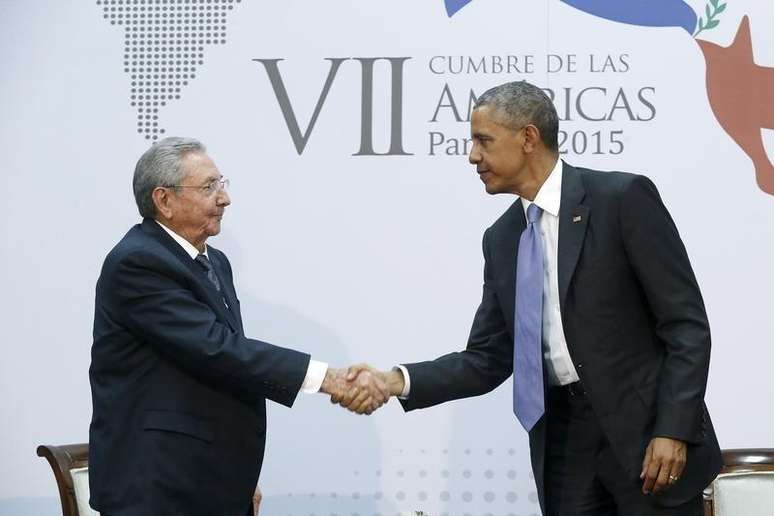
column 211, row 188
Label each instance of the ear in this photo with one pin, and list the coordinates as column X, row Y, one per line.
column 162, row 199
column 532, row 141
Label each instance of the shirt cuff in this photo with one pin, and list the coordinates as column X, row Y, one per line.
column 406, row 381
column 315, row 375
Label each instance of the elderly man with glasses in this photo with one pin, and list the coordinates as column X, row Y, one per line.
column 178, row 391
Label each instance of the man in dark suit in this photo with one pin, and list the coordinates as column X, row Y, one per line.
column 178, row 391
column 589, row 300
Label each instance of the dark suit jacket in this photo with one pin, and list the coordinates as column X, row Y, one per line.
column 178, row 391
column 633, row 318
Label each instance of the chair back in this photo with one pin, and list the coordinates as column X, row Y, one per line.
column 70, row 464
column 745, row 485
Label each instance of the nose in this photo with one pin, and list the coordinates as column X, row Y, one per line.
column 474, row 158
column 223, row 198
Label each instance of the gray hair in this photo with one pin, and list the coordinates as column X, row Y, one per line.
column 160, row 166
column 520, row 103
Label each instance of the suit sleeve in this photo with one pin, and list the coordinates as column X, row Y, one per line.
column 154, row 302
column 486, row 362
column 660, row 261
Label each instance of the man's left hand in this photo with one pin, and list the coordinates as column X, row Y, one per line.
column 663, row 464
column 257, row 496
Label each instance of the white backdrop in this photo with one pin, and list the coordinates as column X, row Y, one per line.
column 356, row 257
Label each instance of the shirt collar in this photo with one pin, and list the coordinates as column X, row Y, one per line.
column 549, row 196
column 189, row 248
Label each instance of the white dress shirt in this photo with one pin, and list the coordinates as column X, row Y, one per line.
column 559, row 365
column 561, row 370
column 315, row 373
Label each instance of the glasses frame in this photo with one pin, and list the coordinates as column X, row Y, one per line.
column 213, row 187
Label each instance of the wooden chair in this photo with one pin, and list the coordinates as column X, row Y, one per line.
column 63, row 459
column 739, row 464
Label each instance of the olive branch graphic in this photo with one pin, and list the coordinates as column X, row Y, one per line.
column 713, row 9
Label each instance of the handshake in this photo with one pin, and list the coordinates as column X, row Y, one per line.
column 361, row 388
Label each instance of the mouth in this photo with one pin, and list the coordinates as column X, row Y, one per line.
column 483, row 174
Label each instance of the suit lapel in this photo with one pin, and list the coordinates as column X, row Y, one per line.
column 212, row 296
column 573, row 220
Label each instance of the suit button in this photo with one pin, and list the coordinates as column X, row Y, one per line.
column 580, row 366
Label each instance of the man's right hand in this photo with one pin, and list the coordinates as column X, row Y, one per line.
column 360, row 389
column 365, row 377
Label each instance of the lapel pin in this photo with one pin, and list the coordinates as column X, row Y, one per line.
column 576, row 218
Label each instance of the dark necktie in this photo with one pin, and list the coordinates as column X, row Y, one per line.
column 528, row 399
column 205, row 264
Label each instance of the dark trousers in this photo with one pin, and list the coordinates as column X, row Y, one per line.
column 582, row 476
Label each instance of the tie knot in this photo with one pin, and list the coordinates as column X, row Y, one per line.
column 533, row 213
column 204, row 262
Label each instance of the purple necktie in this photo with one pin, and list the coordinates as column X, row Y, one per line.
column 528, row 400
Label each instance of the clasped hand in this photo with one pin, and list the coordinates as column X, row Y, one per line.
column 361, row 388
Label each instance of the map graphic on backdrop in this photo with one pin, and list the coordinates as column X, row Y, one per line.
column 165, row 43
column 740, row 92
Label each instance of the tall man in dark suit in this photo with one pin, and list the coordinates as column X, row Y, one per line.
column 589, row 301
column 178, row 391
